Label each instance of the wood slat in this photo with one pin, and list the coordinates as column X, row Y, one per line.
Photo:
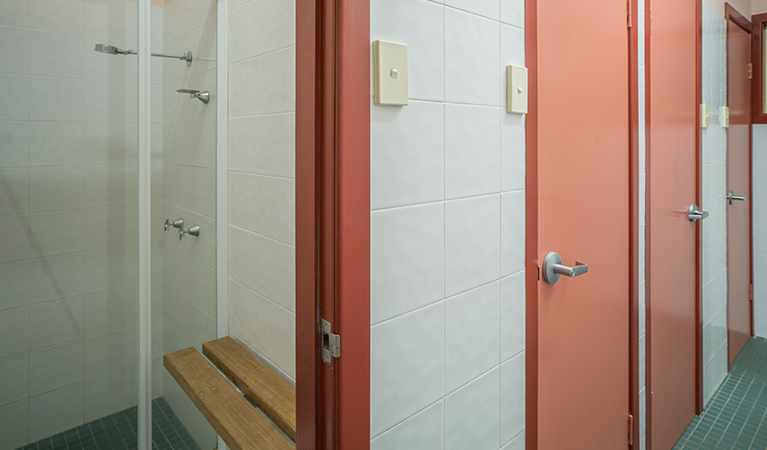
column 238, row 423
column 273, row 395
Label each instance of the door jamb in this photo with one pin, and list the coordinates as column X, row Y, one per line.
column 333, row 222
column 531, row 223
column 732, row 14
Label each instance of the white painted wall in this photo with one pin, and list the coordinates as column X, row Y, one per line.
column 448, row 236
column 261, row 179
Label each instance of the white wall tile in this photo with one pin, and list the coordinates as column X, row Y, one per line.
column 407, row 260
column 109, row 311
column 518, row 443
column 407, row 154
column 513, row 315
column 261, row 194
column 55, row 367
column 472, row 330
column 55, row 233
column 471, row 59
column 68, row 16
column 513, row 148
column 55, row 412
column 110, row 185
column 472, row 415
column 513, row 12
column 55, row 54
column 487, row 8
column 14, row 13
column 55, row 322
column 14, row 329
column 14, row 277
column 14, row 380
column 106, row 395
column 53, row 188
column 274, row 92
column 263, row 144
column 419, row 24
column 412, row 344
column 512, row 398
column 512, row 232
column 423, row 431
column 512, row 53
column 111, row 352
column 55, row 143
column 14, row 142
column 55, row 277
column 261, row 27
column 14, row 96
column 14, row 46
column 15, row 245
column 110, row 268
column 472, row 150
column 14, row 191
column 472, row 242
column 52, row 98
column 14, row 425
column 264, row 325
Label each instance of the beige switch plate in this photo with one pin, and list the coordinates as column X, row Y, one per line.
column 724, row 116
column 390, row 73
column 705, row 116
column 516, row 90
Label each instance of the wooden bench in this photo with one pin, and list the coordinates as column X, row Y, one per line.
column 233, row 416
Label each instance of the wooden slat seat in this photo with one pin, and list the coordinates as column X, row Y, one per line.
column 238, row 423
column 273, row 395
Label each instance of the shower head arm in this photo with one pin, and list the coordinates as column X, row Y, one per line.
column 186, row 57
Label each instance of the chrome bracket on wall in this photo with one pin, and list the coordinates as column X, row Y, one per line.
column 331, row 343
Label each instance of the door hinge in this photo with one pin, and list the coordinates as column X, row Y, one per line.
column 750, row 71
column 631, row 430
column 629, row 18
column 331, row 343
column 751, row 292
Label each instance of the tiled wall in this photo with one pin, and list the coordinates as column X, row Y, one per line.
column 68, row 215
column 642, row 208
column 714, row 171
column 759, row 200
column 261, row 180
column 447, row 232
column 188, row 294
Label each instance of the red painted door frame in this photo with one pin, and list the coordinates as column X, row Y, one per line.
column 333, row 222
column 532, row 263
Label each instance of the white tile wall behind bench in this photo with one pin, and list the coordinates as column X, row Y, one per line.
column 448, row 232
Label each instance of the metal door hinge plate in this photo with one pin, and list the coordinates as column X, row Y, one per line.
column 629, row 18
column 751, row 292
column 331, row 343
column 631, row 429
column 750, row 71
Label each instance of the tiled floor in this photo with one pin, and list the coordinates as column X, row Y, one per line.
column 736, row 418
column 118, row 432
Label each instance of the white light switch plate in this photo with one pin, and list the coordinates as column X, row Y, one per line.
column 516, row 90
column 724, row 116
column 390, row 73
column 705, row 116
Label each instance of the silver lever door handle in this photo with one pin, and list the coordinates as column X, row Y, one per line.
column 553, row 268
column 695, row 214
column 731, row 197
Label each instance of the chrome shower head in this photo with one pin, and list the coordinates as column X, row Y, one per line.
column 203, row 96
column 111, row 50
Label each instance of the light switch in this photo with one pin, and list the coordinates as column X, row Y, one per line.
column 724, row 116
column 705, row 116
column 516, row 90
column 390, row 73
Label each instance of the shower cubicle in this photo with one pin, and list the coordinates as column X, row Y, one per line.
column 108, row 161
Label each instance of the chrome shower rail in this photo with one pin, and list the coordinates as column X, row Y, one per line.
column 112, row 50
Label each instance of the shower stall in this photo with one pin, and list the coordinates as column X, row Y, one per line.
column 109, row 154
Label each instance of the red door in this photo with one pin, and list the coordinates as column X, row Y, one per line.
column 672, row 268
column 738, row 182
column 583, row 214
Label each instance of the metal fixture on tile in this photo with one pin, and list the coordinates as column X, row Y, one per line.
column 112, row 50
column 553, row 268
column 695, row 214
column 194, row 230
column 732, row 197
column 203, row 96
column 178, row 223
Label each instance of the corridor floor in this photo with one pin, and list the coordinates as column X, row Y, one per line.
column 736, row 418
